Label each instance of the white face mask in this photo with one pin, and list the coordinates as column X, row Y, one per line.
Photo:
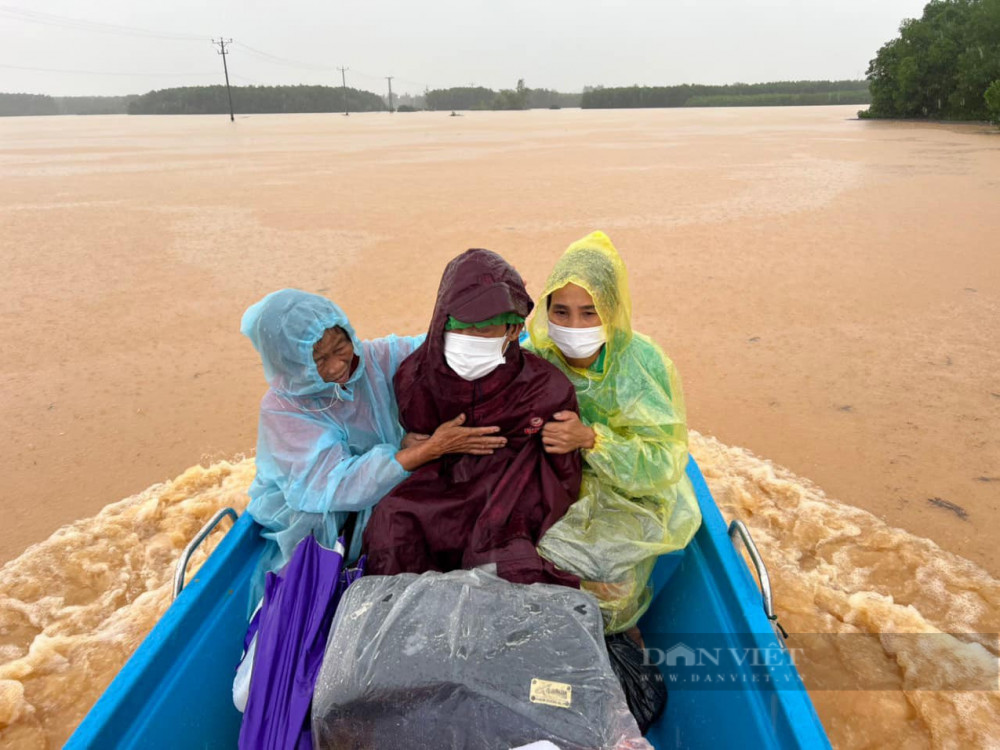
column 473, row 357
column 577, row 343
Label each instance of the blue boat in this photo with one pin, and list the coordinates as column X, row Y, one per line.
column 176, row 690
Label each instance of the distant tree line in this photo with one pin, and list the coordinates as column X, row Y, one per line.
column 27, row 104
column 479, row 97
column 944, row 65
column 41, row 104
column 779, row 93
column 264, row 99
column 779, row 100
column 209, row 100
column 460, row 97
column 516, row 98
column 549, row 99
column 93, row 105
column 196, row 100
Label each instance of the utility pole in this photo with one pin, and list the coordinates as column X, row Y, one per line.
column 222, row 51
column 389, row 79
column 343, row 79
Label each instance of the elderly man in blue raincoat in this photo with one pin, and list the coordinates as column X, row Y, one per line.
column 329, row 442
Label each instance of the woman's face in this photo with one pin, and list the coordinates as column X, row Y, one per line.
column 334, row 356
column 572, row 306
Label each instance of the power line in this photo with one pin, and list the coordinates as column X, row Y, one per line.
column 251, row 81
column 80, row 24
column 101, row 72
column 389, row 79
column 26, row 15
column 414, row 83
column 282, row 60
column 366, row 75
column 268, row 57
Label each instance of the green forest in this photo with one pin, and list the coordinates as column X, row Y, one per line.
column 192, row 100
column 944, row 65
column 40, row 104
column 478, row 97
column 779, row 93
column 211, row 100
column 197, row 100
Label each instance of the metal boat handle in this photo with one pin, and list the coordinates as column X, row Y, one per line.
column 185, row 557
column 739, row 529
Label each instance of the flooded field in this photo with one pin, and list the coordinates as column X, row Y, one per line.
column 829, row 289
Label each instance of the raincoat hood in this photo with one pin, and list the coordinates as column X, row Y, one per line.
column 594, row 264
column 284, row 327
column 475, row 286
column 468, row 510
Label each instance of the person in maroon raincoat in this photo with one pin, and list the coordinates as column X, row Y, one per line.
column 470, row 510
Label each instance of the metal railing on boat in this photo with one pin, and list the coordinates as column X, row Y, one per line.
column 181, row 570
column 738, row 529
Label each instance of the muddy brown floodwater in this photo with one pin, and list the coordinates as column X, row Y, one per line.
column 829, row 289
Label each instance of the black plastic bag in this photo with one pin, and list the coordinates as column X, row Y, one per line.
column 645, row 690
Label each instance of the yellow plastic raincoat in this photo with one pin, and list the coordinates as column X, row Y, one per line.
column 636, row 502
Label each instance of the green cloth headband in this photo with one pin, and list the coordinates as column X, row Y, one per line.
column 508, row 318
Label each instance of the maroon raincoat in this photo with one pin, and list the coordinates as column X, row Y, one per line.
column 462, row 510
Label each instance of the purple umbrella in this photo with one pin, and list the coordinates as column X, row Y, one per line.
column 292, row 628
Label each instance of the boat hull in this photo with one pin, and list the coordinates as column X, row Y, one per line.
column 176, row 690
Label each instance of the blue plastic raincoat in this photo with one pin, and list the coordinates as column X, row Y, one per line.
column 323, row 449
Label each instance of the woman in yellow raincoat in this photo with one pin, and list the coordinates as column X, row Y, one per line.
column 636, row 501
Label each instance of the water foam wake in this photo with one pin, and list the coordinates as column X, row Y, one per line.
column 74, row 607
column 839, row 569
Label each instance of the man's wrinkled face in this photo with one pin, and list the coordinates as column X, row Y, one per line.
column 334, row 356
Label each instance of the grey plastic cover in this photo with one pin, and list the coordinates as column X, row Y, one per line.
column 468, row 660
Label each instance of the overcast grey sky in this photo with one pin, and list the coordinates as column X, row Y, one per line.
column 561, row 44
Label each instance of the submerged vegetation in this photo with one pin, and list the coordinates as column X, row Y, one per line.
column 992, row 97
column 479, row 97
column 41, row 104
column 944, row 65
column 198, row 100
column 779, row 93
column 206, row 100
